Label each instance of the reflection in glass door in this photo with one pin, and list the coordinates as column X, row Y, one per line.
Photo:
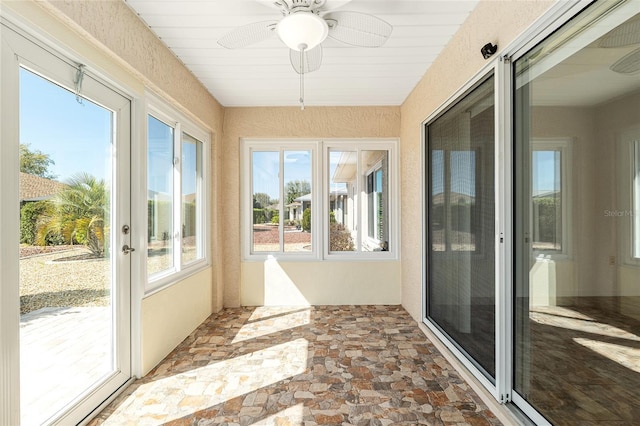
column 74, row 275
column 461, row 214
column 577, row 272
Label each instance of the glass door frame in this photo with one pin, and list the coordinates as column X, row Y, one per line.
column 556, row 17
column 22, row 51
column 503, row 70
column 500, row 71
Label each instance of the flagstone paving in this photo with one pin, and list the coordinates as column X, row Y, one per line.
column 331, row 365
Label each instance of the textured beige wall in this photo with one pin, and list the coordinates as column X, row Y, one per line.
column 318, row 123
column 499, row 22
column 172, row 314
column 273, row 283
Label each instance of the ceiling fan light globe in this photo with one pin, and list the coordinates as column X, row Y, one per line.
column 302, row 29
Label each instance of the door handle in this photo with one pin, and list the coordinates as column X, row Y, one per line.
column 126, row 249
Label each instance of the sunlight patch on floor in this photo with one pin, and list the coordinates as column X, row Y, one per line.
column 585, row 326
column 273, row 324
column 186, row 393
column 624, row 355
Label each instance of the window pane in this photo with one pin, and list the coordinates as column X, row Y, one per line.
column 191, row 202
column 461, row 223
column 265, row 169
column 375, row 214
column 546, row 200
column 343, row 170
column 297, row 208
column 160, row 157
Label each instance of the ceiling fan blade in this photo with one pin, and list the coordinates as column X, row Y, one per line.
column 273, row 4
column 248, row 34
column 332, row 4
column 358, row 29
column 311, row 61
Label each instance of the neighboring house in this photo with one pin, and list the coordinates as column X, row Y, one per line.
column 36, row 188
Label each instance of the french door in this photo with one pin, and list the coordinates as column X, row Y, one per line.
column 65, row 286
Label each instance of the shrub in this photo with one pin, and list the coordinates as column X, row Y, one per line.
column 29, row 215
column 306, row 220
column 340, row 238
column 275, row 219
column 258, row 216
column 332, row 217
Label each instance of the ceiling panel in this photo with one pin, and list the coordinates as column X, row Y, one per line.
column 261, row 74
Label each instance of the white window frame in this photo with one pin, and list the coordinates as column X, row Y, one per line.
column 564, row 146
column 627, row 213
column 249, row 146
column 358, row 146
column 371, row 171
column 181, row 124
column 320, row 196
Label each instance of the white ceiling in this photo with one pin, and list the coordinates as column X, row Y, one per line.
column 261, row 74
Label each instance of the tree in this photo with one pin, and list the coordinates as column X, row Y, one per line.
column 35, row 162
column 78, row 214
column 297, row 188
column 261, row 200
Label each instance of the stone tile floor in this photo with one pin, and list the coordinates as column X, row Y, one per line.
column 336, row 365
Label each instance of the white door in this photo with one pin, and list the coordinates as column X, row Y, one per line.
column 70, row 282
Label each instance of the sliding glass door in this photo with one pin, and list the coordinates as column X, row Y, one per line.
column 73, row 268
column 577, row 275
column 461, row 222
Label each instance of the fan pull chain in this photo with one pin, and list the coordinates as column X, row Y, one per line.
column 303, row 48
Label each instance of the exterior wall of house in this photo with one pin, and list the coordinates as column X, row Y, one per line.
column 375, row 282
column 499, row 22
column 113, row 41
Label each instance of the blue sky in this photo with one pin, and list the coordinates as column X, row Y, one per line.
column 266, row 168
column 546, row 171
column 76, row 136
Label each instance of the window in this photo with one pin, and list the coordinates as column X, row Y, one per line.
column 281, row 196
column 358, row 177
column 175, row 198
column 284, row 194
column 549, row 191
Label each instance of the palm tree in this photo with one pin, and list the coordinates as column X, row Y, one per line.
column 77, row 213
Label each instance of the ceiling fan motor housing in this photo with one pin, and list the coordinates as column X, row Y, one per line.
column 302, row 29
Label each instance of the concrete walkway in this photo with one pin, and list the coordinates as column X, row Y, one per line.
column 63, row 352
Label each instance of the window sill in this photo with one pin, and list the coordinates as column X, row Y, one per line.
column 165, row 281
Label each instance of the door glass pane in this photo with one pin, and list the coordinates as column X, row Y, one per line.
column 461, row 215
column 297, row 204
column 577, row 298
column 67, row 342
column 265, row 172
column 160, row 158
column 343, row 186
column 191, row 199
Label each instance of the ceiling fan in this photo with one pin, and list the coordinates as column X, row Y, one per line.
column 304, row 25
